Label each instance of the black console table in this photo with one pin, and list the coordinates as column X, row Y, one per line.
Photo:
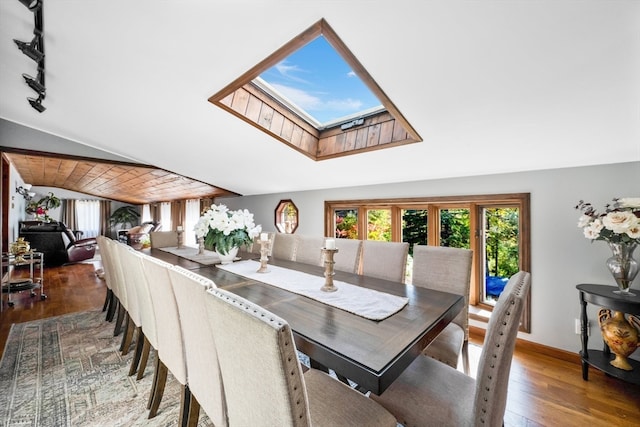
column 603, row 296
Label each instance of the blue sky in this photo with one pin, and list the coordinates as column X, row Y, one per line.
column 320, row 82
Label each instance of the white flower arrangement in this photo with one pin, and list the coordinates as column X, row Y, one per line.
column 223, row 229
column 619, row 223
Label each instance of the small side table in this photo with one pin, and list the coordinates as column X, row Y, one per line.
column 603, row 296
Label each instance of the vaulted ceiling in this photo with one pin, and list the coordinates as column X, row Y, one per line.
column 130, row 183
column 490, row 86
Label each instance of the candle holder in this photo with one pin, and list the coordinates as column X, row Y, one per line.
column 200, row 245
column 265, row 246
column 180, row 245
column 328, row 270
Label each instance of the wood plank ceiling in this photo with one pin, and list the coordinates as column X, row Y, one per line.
column 129, row 183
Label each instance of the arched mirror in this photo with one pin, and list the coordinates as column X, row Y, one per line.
column 286, row 217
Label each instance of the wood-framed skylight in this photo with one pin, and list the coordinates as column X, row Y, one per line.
column 365, row 122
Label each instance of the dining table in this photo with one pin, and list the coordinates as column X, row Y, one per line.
column 371, row 353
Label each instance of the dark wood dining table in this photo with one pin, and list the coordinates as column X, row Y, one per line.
column 370, row 353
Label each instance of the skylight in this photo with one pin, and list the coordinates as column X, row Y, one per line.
column 319, row 84
column 313, row 95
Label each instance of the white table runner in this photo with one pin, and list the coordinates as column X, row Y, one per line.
column 368, row 303
column 191, row 253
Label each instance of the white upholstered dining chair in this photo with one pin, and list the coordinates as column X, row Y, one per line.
column 385, row 260
column 111, row 302
column 431, row 393
column 262, row 377
column 309, row 250
column 203, row 373
column 446, row 269
column 348, row 256
column 163, row 239
column 170, row 354
column 285, row 246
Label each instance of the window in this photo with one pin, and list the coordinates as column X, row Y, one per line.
column 165, row 216
column 286, row 217
column 495, row 227
column 88, row 214
column 191, row 216
column 285, row 97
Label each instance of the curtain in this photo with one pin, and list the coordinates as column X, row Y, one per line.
column 205, row 204
column 88, row 212
column 191, row 216
column 68, row 215
column 105, row 215
column 177, row 213
column 156, row 214
column 165, row 216
column 146, row 213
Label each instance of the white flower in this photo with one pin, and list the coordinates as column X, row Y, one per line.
column 619, row 222
column 592, row 230
column 634, row 231
column 584, row 220
column 628, row 202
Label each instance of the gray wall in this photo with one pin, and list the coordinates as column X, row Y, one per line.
column 560, row 256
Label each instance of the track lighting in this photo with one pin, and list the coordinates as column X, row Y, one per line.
column 35, row 50
column 31, row 49
column 23, row 190
column 35, row 84
column 37, row 103
column 31, row 4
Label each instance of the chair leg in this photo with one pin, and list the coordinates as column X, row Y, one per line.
column 194, row 413
column 159, row 381
column 146, row 348
column 107, row 298
column 189, row 408
column 113, row 306
column 127, row 337
column 465, row 356
column 135, row 360
column 119, row 318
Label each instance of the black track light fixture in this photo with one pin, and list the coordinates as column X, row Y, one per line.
column 32, row 49
column 35, row 84
column 37, row 103
column 32, row 5
column 35, row 51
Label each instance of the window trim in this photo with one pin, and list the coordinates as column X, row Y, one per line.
column 472, row 202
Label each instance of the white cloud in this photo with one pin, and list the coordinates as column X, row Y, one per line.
column 310, row 102
column 288, row 71
column 351, row 74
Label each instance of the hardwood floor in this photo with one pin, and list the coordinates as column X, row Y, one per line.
column 543, row 390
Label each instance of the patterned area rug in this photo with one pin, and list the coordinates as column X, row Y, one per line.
column 67, row 371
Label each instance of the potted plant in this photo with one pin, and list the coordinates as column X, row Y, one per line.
column 124, row 215
column 224, row 231
column 40, row 209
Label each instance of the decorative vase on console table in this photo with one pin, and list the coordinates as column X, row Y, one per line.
column 619, row 226
column 622, row 266
column 620, row 334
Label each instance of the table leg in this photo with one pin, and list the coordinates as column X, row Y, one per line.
column 584, row 334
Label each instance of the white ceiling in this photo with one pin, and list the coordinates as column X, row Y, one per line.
column 491, row 86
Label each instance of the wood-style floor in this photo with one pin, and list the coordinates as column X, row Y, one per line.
column 543, row 390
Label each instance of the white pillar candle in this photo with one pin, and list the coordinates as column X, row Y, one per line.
column 330, row 244
column 264, row 237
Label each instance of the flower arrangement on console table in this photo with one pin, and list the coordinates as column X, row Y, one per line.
column 40, row 209
column 224, row 231
column 619, row 226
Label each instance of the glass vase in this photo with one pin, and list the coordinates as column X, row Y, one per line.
column 622, row 266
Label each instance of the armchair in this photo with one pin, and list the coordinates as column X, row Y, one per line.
column 137, row 234
column 57, row 242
